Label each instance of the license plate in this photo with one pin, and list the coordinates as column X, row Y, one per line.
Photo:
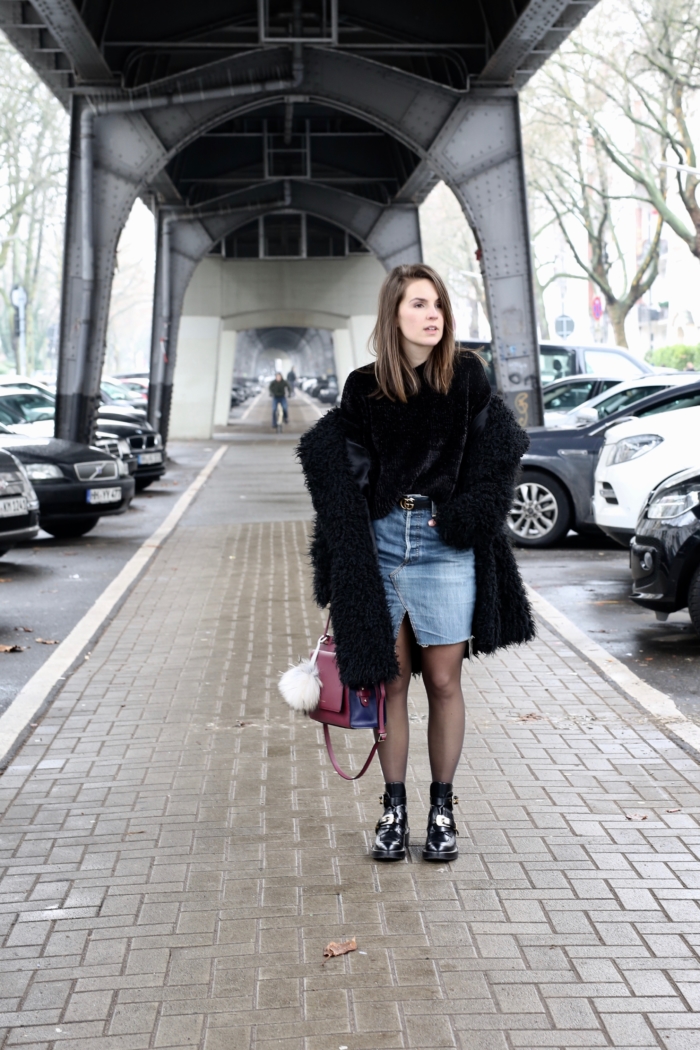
column 104, row 495
column 146, row 458
column 11, row 508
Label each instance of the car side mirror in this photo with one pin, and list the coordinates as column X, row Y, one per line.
column 584, row 416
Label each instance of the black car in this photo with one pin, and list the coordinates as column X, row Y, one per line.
column 554, row 490
column 140, row 443
column 19, row 506
column 76, row 484
column 665, row 550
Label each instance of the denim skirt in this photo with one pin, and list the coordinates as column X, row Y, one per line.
column 425, row 579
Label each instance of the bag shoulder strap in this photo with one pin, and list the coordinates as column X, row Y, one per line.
column 336, row 767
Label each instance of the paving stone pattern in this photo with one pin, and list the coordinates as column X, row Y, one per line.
column 175, row 849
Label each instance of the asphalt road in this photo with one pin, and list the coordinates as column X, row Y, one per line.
column 588, row 579
column 49, row 584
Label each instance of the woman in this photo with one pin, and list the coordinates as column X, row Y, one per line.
column 411, row 480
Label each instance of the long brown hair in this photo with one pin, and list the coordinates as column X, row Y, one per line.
column 396, row 377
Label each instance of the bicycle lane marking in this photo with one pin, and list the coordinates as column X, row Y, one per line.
column 33, row 696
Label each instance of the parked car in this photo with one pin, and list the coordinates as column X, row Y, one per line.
column 117, row 395
column 31, row 412
column 29, row 386
column 555, row 486
column 636, row 456
column 139, row 444
column 76, row 484
column 621, row 396
column 665, row 551
column 19, row 505
column 564, row 396
column 559, row 360
column 328, row 395
column 138, row 382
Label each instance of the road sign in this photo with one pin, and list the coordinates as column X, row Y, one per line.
column 597, row 308
column 564, row 326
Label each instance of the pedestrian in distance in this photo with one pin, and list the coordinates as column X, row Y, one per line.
column 411, row 479
column 279, row 388
column 292, row 380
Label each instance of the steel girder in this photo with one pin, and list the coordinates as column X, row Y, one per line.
column 392, row 233
column 471, row 140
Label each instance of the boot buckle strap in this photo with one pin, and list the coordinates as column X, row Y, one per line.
column 386, row 820
column 444, row 822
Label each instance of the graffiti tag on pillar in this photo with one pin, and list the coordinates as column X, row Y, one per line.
column 521, row 403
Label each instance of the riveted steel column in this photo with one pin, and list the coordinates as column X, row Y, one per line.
column 479, row 154
column 68, row 408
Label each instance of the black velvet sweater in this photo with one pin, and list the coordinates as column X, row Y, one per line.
column 397, row 448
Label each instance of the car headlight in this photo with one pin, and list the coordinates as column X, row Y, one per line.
column 43, row 471
column 633, row 447
column 674, row 503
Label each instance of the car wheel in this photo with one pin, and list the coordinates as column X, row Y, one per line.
column 69, row 530
column 143, row 483
column 694, row 600
column 540, row 514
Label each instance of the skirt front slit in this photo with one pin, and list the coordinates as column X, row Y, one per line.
column 425, row 579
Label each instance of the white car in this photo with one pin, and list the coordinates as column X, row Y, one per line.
column 635, row 457
column 617, row 397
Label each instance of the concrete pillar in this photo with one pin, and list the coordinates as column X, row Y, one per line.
column 360, row 327
column 195, row 380
column 343, row 353
column 224, row 377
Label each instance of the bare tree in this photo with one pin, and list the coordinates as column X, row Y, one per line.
column 33, row 156
column 449, row 245
column 645, row 64
column 572, row 176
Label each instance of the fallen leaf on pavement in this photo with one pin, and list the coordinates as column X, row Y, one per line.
column 5, row 579
column 12, row 648
column 674, row 810
column 532, row 716
column 339, row 948
column 48, row 641
column 636, row 816
column 27, row 629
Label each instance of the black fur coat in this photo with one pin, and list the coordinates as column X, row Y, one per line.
column 344, row 559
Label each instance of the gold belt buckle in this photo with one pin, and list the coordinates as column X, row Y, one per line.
column 407, row 503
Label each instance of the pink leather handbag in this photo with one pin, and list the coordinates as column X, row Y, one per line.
column 344, row 707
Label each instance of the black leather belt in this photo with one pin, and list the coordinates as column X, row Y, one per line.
column 415, row 503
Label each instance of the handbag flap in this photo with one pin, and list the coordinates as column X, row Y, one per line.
column 331, row 687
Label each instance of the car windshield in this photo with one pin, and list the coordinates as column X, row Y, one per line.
column 557, row 362
column 612, row 364
column 689, row 400
column 624, row 398
column 568, row 395
column 115, row 390
column 28, row 407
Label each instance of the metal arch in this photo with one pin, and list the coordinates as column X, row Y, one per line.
column 135, row 149
column 391, row 232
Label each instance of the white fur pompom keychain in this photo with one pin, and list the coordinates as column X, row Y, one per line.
column 300, row 686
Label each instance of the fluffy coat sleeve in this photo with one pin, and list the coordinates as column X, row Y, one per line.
column 477, row 512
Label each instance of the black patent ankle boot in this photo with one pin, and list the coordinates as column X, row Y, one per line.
column 441, row 842
column 392, row 828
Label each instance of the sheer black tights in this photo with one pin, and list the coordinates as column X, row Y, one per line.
column 442, row 667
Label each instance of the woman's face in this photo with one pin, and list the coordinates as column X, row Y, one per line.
column 420, row 317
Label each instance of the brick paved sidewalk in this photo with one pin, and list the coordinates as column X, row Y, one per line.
column 175, row 850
